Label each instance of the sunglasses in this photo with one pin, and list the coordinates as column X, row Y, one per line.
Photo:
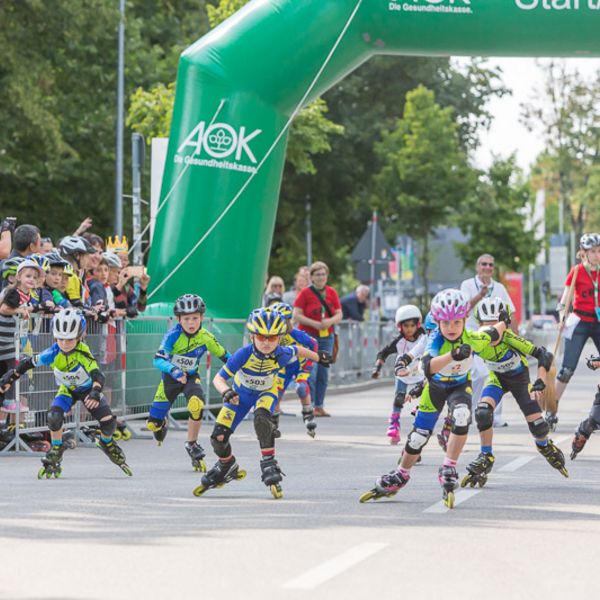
column 266, row 338
column 486, row 264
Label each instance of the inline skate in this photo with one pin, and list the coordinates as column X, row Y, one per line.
column 308, row 416
column 221, row 474
column 393, row 431
column 478, row 470
column 52, row 462
column 115, row 455
column 554, row 456
column 448, row 478
column 197, row 454
column 386, row 486
column 272, row 476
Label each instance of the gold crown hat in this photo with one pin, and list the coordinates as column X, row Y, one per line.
column 117, row 245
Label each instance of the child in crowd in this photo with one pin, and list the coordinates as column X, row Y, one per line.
column 77, row 251
column 409, row 345
column 179, row 360
column 58, row 269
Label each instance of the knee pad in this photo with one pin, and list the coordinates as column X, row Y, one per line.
column 539, row 428
column 303, row 389
column 221, row 447
column 399, row 399
column 195, row 405
column 417, row 439
column 484, row 416
column 461, row 419
column 56, row 418
column 108, row 427
column 263, row 425
column 565, row 374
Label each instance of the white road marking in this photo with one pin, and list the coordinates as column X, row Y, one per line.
column 459, row 498
column 329, row 569
column 515, row 465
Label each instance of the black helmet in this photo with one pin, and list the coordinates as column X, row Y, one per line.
column 188, row 304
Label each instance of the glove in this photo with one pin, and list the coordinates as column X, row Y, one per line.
column 538, row 386
column 590, row 362
column 230, row 396
column 176, row 373
column 325, row 359
column 9, row 378
column 376, row 371
column 95, row 394
column 402, row 362
column 504, row 317
column 8, row 224
column 461, row 353
column 417, row 390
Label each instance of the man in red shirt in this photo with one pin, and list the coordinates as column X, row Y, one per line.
column 317, row 310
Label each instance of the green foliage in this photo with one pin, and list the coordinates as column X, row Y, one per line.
column 151, row 111
column 223, row 10
column 425, row 175
column 494, row 219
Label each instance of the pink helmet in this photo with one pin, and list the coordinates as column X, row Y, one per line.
column 449, row 305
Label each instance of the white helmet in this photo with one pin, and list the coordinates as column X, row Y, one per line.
column 449, row 305
column 74, row 244
column 112, row 260
column 489, row 309
column 405, row 313
column 68, row 324
column 589, row 241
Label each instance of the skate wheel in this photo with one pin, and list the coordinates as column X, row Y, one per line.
column 202, row 467
column 126, row 470
column 483, row 481
column 277, row 492
column 449, row 500
column 241, row 474
column 465, row 481
column 573, row 455
column 312, row 434
column 126, row 435
column 564, row 472
column 41, row 473
column 198, row 491
column 117, row 435
column 370, row 495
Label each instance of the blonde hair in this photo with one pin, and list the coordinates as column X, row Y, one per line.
column 274, row 281
column 316, row 266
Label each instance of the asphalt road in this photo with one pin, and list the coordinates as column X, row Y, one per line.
column 95, row 533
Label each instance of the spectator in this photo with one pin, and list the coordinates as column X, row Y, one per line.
column 355, row 303
column 475, row 289
column 120, row 247
column 47, row 245
column 301, row 279
column 7, row 228
column 275, row 285
column 317, row 309
column 273, row 298
column 27, row 241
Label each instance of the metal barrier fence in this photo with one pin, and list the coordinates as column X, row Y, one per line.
column 125, row 350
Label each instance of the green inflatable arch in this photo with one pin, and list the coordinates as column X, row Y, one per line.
column 239, row 86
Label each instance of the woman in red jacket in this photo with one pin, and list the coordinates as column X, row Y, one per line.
column 317, row 309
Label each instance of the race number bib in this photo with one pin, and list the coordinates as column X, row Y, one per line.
column 72, row 379
column 505, row 366
column 184, row 363
column 457, row 368
column 259, row 383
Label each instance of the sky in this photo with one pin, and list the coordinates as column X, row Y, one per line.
column 507, row 134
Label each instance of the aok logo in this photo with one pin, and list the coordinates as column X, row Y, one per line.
column 220, row 140
column 557, row 4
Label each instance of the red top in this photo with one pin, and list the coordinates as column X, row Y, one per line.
column 584, row 301
column 313, row 309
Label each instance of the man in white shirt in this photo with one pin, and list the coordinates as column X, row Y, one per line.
column 476, row 289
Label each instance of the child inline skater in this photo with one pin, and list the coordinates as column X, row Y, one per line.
column 179, row 359
column 254, row 371
column 79, row 378
column 298, row 370
column 409, row 345
column 446, row 363
column 592, row 423
column 509, row 372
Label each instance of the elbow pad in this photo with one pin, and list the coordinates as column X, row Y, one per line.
column 543, row 357
column 25, row 365
column 492, row 332
column 98, row 377
column 426, row 364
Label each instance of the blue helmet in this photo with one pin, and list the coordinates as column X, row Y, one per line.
column 285, row 310
column 266, row 321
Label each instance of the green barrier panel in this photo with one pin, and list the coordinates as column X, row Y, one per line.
column 238, row 86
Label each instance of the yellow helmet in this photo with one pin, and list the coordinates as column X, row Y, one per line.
column 265, row 321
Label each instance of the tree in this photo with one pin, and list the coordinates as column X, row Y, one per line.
column 494, row 219
column 425, row 174
column 566, row 113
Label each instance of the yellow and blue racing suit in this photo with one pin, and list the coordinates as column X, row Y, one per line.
column 254, row 380
column 179, row 354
